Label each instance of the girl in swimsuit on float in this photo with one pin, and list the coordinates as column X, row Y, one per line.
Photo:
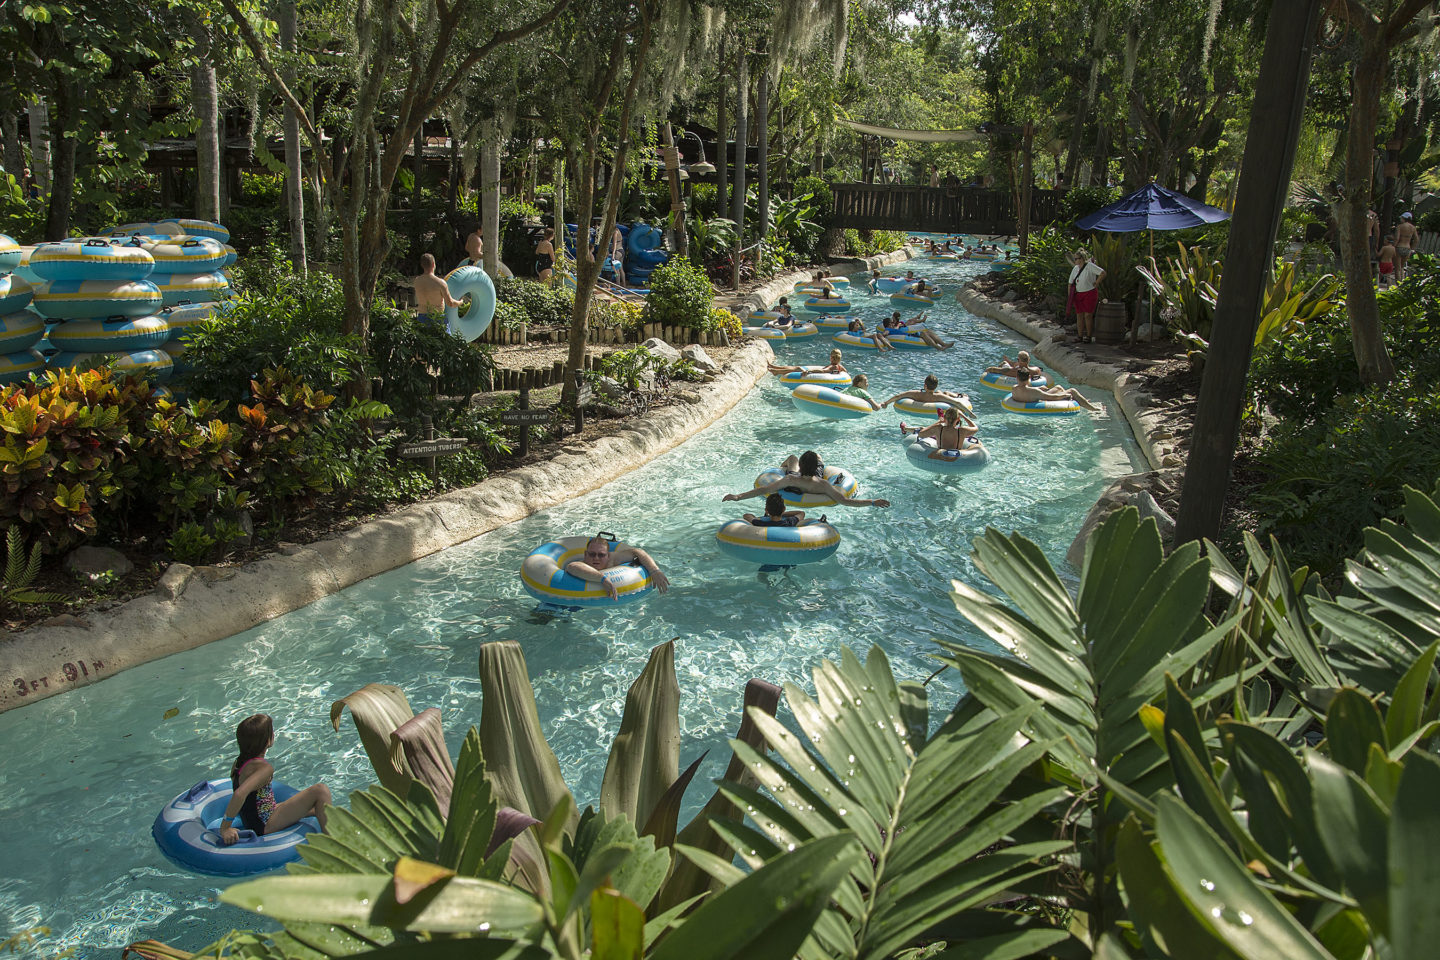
column 253, row 802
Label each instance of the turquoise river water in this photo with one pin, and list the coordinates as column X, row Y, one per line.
column 83, row 774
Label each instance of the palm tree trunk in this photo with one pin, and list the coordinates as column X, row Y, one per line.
column 1369, row 79
column 742, row 135
column 14, row 156
column 207, row 137
column 762, row 135
column 722, row 153
column 294, row 175
column 62, row 183
column 490, row 150
column 39, row 114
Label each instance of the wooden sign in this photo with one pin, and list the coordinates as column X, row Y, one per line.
column 584, row 394
column 526, row 418
column 423, row 449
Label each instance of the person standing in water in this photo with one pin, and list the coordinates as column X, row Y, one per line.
column 253, row 802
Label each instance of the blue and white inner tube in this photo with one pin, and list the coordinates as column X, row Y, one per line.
column 835, row 381
column 908, row 341
column 831, row 404
column 831, row 321
column 15, row 293
column 810, row 542
column 16, row 367
column 998, row 381
column 894, row 284
column 839, row 283
column 542, row 574
column 474, row 283
column 764, row 333
column 187, row 255
column 800, row 331
column 838, row 477
column 187, row 832
column 10, row 254
column 919, row 452
column 84, row 299
column 1041, row 408
column 20, row 330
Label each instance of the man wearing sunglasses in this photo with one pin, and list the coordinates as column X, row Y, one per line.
column 605, row 553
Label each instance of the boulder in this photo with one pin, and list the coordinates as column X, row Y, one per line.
column 662, row 349
column 1148, row 507
column 612, row 388
column 91, row 563
column 174, row 580
column 696, row 354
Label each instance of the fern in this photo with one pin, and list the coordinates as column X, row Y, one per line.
column 20, row 572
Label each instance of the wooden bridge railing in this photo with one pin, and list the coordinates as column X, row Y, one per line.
column 872, row 206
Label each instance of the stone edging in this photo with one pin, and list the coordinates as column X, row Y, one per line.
column 1152, row 428
column 782, row 285
column 194, row 606
column 1155, row 428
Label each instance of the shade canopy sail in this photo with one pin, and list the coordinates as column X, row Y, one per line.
column 1152, row 207
column 916, row 136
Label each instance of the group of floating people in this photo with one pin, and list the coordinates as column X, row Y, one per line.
column 959, row 249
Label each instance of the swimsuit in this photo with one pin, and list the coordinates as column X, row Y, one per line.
column 431, row 318
column 543, row 262
column 255, row 811
column 776, row 522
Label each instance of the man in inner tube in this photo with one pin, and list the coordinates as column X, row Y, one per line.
column 599, row 558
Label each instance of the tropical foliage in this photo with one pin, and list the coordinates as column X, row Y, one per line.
column 1184, row 759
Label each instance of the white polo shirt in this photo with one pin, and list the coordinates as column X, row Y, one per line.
column 1085, row 278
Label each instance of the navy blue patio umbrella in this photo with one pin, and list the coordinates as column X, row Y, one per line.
column 1151, row 208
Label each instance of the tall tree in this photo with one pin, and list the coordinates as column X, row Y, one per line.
column 400, row 72
column 294, row 170
column 1381, row 26
column 205, row 95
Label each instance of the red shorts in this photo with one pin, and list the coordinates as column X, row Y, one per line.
column 1387, row 268
column 1086, row 302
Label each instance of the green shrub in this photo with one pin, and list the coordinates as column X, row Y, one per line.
column 510, row 316
column 542, row 304
column 284, row 320
column 680, row 295
column 1324, row 483
column 870, row 243
column 1045, row 270
column 823, row 198
column 1083, row 201
column 415, row 360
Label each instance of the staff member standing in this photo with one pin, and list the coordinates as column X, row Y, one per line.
column 1084, row 282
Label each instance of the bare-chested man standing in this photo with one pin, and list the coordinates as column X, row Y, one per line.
column 1406, row 237
column 432, row 293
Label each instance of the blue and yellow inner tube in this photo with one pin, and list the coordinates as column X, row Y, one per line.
column 187, row 832
column 859, row 341
column 836, row 381
column 831, row 404
column 998, row 381
column 178, row 288
column 1041, row 408
column 20, row 330
column 919, row 452
column 893, row 284
column 826, row 305
column 839, row 283
column 154, row 364
column 810, row 542
column 194, row 228
column 84, row 299
column 838, row 477
column 16, row 367
column 764, row 333
column 833, row 321
column 930, row 408
column 800, row 331
column 15, row 293
column 185, row 255
column 542, row 574
column 110, row 335
column 900, row 299
column 10, row 253
column 91, row 259
column 908, row 341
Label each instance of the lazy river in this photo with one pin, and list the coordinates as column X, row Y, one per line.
column 82, row 775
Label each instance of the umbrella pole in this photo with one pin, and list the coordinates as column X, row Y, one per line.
column 1151, row 299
